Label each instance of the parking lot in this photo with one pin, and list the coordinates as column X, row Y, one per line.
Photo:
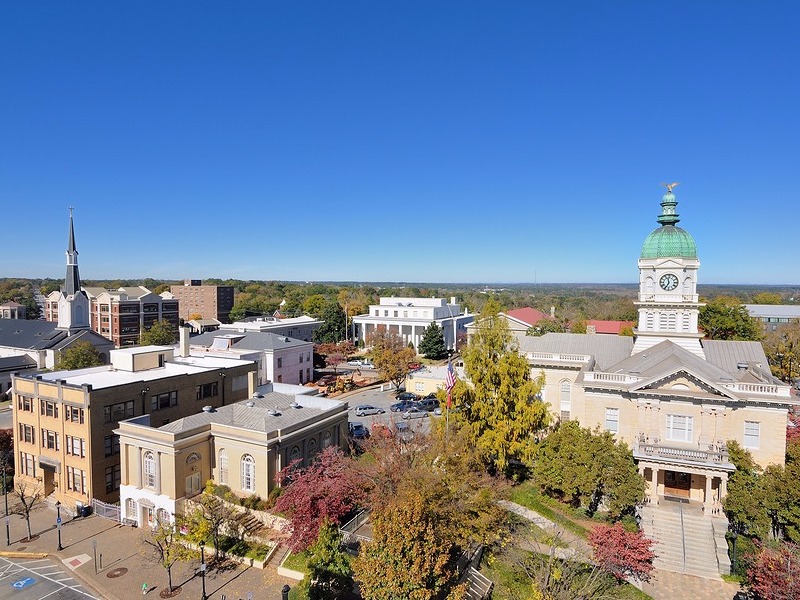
column 383, row 400
column 33, row 579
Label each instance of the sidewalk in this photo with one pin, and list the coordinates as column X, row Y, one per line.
column 122, row 565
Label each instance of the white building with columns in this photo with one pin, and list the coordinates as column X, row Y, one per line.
column 409, row 317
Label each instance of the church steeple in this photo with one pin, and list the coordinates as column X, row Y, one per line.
column 72, row 282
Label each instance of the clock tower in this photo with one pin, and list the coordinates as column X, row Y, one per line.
column 668, row 302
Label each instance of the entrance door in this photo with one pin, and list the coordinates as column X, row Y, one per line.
column 193, row 485
column 677, row 484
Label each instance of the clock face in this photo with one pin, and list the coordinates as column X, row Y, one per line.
column 668, row 282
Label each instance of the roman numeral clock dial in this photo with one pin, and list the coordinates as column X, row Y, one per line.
column 668, row 282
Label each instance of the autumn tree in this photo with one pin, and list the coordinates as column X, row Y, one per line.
column 329, row 569
column 782, row 348
column 210, row 518
column 726, row 318
column 546, row 326
column 29, row 496
column 325, row 491
column 622, row 553
column 408, row 556
column 80, row 356
column 432, row 343
column 334, row 323
column 390, row 356
column 160, row 333
column 6, row 457
column 767, row 298
column 586, row 468
column 166, row 547
column 500, row 408
column 775, row 573
column 335, row 353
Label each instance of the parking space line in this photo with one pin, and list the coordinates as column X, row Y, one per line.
column 34, row 571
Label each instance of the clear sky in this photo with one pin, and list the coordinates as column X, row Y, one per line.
column 397, row 141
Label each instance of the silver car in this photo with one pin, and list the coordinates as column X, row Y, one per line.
column 415, row 413
column 367, row 409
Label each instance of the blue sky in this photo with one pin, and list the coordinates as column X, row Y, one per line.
column 397, row 141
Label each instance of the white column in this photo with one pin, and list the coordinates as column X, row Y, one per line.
column 654, row 485
column 723, row 487
column 158, row 473
column 137, row 468
column 708, row 503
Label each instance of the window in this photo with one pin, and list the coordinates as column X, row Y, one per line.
column 27, row 464
column 50, row 440
column 25, row 403
column 76, row 446
column 48, row 409
column 248, row 474
column 395, row 313
column 207, row 390
column 111, row 445
column 280, row 363
column 76, row 480
column 308, row 374
column 149, row 470
column 27, row 433
column 308, row 356
column 130, row 509
column 294, row 455
column 419, row 386
column 312, row 447
column 113, row 477
column 612, row 420
column 752, row 434
column 566, row 399
column 679, row 428
column 300, row 375
column 73, row 414
column 165, row 400
column 327, row 439
column 118, row 411
column 223, row 467
column 301, row 359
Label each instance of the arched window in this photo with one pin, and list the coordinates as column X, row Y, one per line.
column 566, row 399
column 130, row 509
column 327, row 439
column 294, row 454
column 222, row 464
column 312, row 447
column 162, row 516
column 248, row 474
column 649, row 285
column 192, row 458
column 149, row 469
column 687, row 286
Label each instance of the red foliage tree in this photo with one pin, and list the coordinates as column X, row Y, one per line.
column 622, row 553
column 775, row 574
column 335, row 353
column 326, row 490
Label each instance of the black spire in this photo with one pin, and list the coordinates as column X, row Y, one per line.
column 72, row 283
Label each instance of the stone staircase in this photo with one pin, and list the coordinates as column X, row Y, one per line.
column 686, row 539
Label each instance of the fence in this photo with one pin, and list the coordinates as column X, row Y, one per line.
column 105, row 510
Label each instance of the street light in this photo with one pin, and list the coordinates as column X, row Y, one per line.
column 285, row 592
column 5, row 490
column 203, row 568
column 58, row 524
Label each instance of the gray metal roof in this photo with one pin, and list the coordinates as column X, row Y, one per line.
column 260, row 416
column 23, row 361
column 784, row 311
column 728, row 354
column 30, row 335
column 668, row 357
column 606, row 349
column 250, row 340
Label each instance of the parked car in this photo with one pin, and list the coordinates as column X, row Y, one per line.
column 367, row 364
column 407, row 396
column 414, row 366
column 404, row 431
column 326, row 380
column 367, row 409
column 356, row 362
column 401, row 406
column 428, row 404
column 357, row 430
column 415, row 413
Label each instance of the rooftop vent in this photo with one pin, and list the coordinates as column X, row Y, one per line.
column 286, row 339
column 208, row 409
column 274, row 412
column 742, row 366
column 295, row 404
column 250, row 404
column 258, row 395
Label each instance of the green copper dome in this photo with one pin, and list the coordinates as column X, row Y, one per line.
column 669, row 240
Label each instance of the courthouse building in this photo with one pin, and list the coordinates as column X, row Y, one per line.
column 673, row 397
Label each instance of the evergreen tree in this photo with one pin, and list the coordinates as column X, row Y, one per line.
column 432, row 343
column 329, row 569
column 79, row 356
column 501, row 409
column 334, row 324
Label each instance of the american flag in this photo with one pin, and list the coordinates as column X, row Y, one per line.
column 450, row 381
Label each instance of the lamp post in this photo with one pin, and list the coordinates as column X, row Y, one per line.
column 222, row 375
column 203, row 568
column 285, row 592
column 5, row 491
column 58, row 524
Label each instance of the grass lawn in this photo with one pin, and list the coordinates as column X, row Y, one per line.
column 528, row 496
column 297, row 562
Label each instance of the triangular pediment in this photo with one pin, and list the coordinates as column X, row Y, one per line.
column 682, row 381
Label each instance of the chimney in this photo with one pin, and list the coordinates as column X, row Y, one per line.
column 552, row 312
column 452, row 299
column 183, row 332
column 591, row 329
column 252, row 383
